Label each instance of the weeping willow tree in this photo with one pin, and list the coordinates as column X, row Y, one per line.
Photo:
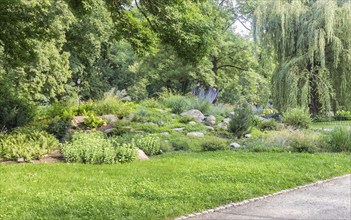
column 312, row 43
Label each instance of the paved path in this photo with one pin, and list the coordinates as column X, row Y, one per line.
column 329, row 200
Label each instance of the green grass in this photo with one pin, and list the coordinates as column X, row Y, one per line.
column 167, row 186
column 331, row 124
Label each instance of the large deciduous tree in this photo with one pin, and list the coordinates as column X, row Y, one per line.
column 312, row 44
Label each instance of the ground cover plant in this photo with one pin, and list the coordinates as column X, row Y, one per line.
column 165, row 187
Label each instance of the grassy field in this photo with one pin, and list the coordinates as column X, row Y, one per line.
column 167, row 186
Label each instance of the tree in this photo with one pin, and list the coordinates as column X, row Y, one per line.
column 311, row 42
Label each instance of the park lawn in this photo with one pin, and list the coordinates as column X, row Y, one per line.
column 168, row 186
column 330, row 125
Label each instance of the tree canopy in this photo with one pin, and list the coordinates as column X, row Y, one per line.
column 311, row 42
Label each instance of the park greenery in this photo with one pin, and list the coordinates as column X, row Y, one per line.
column 222, row 115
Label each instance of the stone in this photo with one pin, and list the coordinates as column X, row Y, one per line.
column 248, row 135
column 235, row 145
column 226, row 120
column 142, row 155
column 164, row 133
column 231, row 114
column 209, row 128
column 162, row 111
column 192, row 123
column 178, row 129
column 131, row 116
column 78, row 120
column 222, row 126
column 20, row 160
column 109, row 118
column 195, row 134
column 108, row 131
column 194, row 113
column 210, row 120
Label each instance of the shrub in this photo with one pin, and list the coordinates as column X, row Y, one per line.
column 199, row 104
column 14, row 111
column 267, row 125
column 95, row 148
column 151, row 145
column 60, row 129
column 343, row 115
column 340, row 139
column 150, row 103
column 176, row 103
column 256, row 134
column 31, row 145
column 241, row 121
column 93, row 122
column 214, row 144
column 297, row 118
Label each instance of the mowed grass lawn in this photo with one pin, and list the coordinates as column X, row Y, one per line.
column 162, row 188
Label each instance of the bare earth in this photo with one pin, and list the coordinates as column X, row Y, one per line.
column 330, row 200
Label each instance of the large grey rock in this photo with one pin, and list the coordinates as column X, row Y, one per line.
column 142, row 155
column 195, row 134
column 108, row 131
column 78, row 120
column 235, row 145
column 231, row 114
column 192, row 123
column 210, row 120
column 194, row 113
column 165, row 133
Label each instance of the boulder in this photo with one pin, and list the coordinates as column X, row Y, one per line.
column 165, row 133
column 108, row 131
column 194, row 113
column 248, row 135
column 195, row 134
column 178, row 129
column 192, row 123
column 210, row 120
column 78, row 120
column 234, row 145
column 231, row 114
column 209, row 128
column 142, row 155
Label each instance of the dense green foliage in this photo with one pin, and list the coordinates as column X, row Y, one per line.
column 242, row 120
column 311, row 43
column 166, row 187
column 26, row 145
column 297, row 117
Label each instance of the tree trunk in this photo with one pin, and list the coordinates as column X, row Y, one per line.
column 314, row 102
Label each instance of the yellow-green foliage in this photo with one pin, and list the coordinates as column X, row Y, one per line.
column 32, row 145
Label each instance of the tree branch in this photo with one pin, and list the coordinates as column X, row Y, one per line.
column 228, row 65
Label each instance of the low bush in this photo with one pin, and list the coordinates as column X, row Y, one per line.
column 93, row 122
column 30, row 145
column 14, row 111
column 343, row 115
column 199, row 104
column 176, row 103
column 297, row 118
column 151, row 145
column 60, row 129
column 339, row 139
column 95, row 148
column 256, row 134
column 150, row 103
column 267, row 125
column 241, row 121
column 214, row 144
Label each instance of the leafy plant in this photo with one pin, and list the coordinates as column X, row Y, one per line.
column 267, row 125
column 60, row 129
column 151, row 145
column 241, row 121
column 93, row 122
column 297, row 118
column 214, row 144
column 339, row 139
column 95, row 148
column 31, row 145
